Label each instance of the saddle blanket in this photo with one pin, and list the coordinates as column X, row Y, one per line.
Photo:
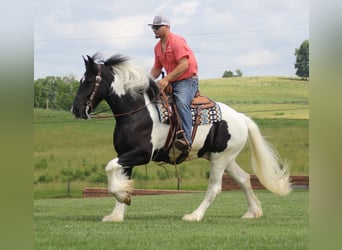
column 209, row 115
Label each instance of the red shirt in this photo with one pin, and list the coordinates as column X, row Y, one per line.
column 176, row 48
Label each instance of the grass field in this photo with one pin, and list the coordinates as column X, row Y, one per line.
column 154, row 222
column 77, row 150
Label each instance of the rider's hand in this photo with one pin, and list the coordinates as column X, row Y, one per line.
column 163, row 83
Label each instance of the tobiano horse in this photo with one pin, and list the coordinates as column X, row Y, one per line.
column 139, row 137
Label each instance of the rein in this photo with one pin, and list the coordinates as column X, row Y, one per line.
column 94, row 115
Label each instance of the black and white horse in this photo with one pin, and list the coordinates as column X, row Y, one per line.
column 139, row 137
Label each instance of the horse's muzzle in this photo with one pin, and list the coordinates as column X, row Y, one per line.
column 83, row 113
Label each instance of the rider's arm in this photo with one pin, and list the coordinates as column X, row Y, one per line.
column 155, row 72
column 179, row 70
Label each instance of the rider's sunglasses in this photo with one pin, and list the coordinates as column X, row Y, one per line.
column 156, row 27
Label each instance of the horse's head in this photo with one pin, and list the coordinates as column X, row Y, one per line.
column 95, row 85
column 98, row 83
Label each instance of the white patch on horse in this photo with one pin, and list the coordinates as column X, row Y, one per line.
column 118, row 183
column 129, row 79
column 159, row 130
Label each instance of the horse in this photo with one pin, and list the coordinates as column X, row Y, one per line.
column 139, row 137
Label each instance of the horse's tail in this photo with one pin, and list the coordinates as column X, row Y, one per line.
column 265, row 162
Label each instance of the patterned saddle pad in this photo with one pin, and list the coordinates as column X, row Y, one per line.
column 208, row 115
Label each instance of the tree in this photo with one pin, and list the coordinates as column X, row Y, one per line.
column 302, row 60
column 45, row 91
column 238, row 73
column 228, row 74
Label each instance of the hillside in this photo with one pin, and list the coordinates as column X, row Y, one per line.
column 261, row 97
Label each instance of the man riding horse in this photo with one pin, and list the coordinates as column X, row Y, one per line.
column 173, row 54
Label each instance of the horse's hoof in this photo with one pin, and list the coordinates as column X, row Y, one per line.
column 128, row 200
column 251, row 215
column 190, row 217
column 111, row 218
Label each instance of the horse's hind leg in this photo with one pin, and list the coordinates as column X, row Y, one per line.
column 218, row 164
column 243, row 179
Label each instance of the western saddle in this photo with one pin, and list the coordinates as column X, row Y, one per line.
column 198, row 103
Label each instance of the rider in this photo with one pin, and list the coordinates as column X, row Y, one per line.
column 174, row 55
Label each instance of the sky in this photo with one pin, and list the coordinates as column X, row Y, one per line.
column 258, row 37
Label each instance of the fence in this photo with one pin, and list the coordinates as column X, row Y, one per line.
column 228, row 183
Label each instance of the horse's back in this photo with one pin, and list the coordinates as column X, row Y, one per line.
column 236, row 124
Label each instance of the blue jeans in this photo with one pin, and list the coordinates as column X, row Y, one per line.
column 184, row 91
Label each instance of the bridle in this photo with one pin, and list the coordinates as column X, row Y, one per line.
column 89, row 105
column 98, row 79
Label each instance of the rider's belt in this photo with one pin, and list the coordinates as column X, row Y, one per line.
column 194, row 76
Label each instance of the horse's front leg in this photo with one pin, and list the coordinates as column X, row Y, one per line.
column 118, row 213
column 120, row 187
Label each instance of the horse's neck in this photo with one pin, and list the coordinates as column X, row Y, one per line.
column 125, row 105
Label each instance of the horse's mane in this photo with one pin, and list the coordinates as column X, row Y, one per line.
column 129, row 79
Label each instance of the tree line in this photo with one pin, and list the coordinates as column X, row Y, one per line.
column 55, row 92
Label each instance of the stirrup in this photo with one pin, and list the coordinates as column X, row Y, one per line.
column 182, row 144
column 180, row 132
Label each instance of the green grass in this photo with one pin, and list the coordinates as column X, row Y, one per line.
column 256, row 90
column 154, row 222
column 63, row 144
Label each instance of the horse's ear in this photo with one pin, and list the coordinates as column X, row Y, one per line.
column 85, row 60
column 88, row 61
